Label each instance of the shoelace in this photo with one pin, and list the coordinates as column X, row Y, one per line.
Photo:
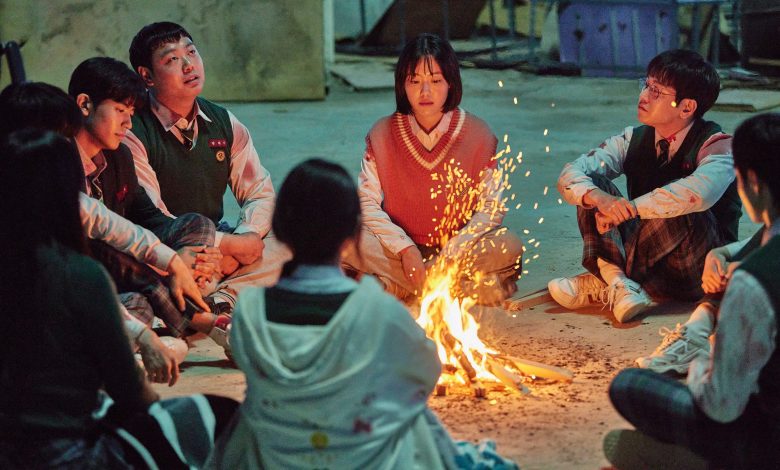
column 617, row 291
column 670, row 336
column 591, row 284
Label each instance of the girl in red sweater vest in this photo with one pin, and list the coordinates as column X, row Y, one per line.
column 429, row 185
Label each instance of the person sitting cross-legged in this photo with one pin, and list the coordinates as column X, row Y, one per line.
column 107, row 93
column 727, row 414
column 188, row 150
column 338, row 373
column 681, row 202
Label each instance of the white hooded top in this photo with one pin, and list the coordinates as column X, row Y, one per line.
column 348, row 394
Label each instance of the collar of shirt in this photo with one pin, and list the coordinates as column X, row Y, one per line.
column 430, row 140
column 675, row 140
column 93, row 165
column 317, row 279
column 170, row 120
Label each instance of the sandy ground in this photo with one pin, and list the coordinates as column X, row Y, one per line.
column 556, row 426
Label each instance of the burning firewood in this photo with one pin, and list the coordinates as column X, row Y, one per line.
column 537, row 369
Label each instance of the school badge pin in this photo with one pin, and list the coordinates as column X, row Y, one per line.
column 219, row 144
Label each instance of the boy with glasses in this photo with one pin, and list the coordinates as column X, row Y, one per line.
column 681, row 203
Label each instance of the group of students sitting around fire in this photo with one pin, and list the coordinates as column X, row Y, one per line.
column 116, row 189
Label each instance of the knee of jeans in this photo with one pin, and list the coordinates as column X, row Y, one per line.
column 620, row 386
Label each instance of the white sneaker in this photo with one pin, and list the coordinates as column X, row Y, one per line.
column 676, row 352
column 584, row 290
column 627, row 299
column 221, row 336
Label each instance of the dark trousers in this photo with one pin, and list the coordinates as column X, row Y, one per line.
column 665, row 256
column 664, row 408
column 130, row 275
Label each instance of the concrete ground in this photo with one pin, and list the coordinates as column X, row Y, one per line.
column 554, row 120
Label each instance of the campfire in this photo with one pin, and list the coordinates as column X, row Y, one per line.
column 467, row 362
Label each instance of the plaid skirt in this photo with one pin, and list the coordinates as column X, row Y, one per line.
column 665, row 256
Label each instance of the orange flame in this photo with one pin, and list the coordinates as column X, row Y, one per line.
column 446, row 319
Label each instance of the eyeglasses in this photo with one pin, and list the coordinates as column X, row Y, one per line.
column 655, row 92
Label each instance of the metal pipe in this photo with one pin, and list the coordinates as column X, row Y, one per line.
column 512, row 26
column 362, row 18
column 494, row 46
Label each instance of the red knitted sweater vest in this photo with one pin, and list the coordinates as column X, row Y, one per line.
column 431, row 194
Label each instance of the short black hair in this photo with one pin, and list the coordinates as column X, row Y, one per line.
column 38, row 105
column 756, row 147
column 317, row 209
column 151, row 37
column 104, row 78
column 426, row 47
column 689, row 74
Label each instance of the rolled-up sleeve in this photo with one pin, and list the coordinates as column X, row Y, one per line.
column 606, row 159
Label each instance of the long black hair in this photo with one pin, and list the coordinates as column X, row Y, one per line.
column 42, row 175
column 317, row 209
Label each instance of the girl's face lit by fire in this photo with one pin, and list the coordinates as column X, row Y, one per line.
column 426, row 90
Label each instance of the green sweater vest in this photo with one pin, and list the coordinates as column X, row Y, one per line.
column 190, row 180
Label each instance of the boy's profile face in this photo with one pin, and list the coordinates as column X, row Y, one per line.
column 177, row 71
column 657, row 105
column 108, row 122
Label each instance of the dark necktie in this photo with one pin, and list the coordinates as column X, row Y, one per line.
column 663, row 156
column 97, row 188
column 189, row 136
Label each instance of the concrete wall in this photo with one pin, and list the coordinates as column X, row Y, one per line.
column 253, row 49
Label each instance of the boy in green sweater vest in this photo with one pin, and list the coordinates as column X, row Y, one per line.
column 728, row 410
column 188, row 151
column 681, row 201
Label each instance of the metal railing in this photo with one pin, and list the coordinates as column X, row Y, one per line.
column 13, row 57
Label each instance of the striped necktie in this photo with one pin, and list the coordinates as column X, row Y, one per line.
column 663, row 156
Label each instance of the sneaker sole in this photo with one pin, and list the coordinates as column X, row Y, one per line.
column 681, row 369
column 629, row 314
